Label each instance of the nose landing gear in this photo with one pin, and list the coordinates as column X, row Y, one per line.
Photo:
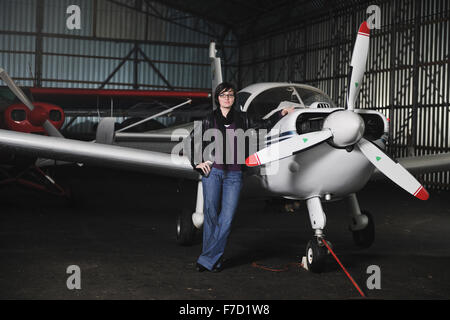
column 316, row 255
column 362, row 227
column 316, row 252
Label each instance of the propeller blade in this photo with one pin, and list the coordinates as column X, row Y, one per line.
column 392, row 170
column 48, row 126
column 286, row 148
column 51, row 129
column 358, row 63
column 15, row 89
column 216, row 70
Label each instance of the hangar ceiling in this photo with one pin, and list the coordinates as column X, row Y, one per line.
column 247, row 19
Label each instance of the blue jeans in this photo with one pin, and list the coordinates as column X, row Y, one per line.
column 225, row 186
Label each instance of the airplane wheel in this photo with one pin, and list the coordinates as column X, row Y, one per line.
column 315, row 255
column 185, row 228
column 364, row 238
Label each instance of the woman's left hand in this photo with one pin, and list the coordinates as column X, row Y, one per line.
column 285, row 111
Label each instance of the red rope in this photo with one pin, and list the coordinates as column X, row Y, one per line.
column 348, row 274
column 284, row 268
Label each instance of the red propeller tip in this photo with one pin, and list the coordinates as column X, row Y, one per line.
column 252, row 161
column 422, row 194
column 364, row 28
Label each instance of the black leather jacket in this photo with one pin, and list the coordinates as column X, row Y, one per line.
column 241, row 120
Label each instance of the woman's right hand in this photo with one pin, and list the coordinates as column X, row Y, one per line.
column 204, row 166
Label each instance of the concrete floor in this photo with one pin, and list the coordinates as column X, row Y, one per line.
column 121, row 233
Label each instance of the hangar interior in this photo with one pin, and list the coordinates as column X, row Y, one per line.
column 162, row 46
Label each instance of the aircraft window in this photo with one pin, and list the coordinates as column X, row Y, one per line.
column 270, row 99
column 309, row 97
column 18, row 115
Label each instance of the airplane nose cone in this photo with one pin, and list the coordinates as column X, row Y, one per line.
column 347, row 128
column 38, row 116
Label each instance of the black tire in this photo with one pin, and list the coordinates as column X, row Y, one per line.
column 185, row 228
column 316, row 256
column 364, row 238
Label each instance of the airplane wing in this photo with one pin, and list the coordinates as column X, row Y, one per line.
column 170, row 133
column 97, row 154
column 421, row 164
column 72, row 97
column 161, row 140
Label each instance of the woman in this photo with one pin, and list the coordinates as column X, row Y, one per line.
column 222, row 179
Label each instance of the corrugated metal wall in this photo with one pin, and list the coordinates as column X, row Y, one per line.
column 18, row 15
column 170, row 53
column 21, row 62
column 407, row 75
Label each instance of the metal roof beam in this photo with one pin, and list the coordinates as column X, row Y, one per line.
column 116, row 2
column 186, row 9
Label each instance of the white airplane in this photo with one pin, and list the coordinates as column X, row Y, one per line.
column 320, row 153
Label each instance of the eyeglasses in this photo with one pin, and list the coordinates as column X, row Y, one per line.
column 224, row 95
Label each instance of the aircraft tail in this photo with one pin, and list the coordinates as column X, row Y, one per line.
column 216, row 70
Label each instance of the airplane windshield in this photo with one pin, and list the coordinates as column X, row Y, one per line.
column 309, row 97
column 267, row 100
